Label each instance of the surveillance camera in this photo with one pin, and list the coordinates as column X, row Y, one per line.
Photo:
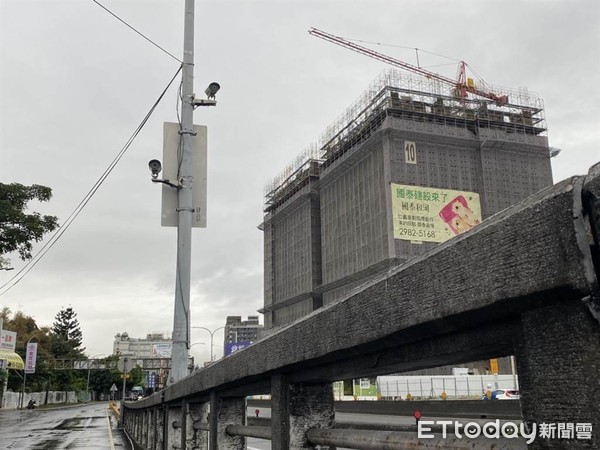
column 155, row 167
column 212, row 90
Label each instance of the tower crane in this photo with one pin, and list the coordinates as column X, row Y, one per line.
column 462, row 85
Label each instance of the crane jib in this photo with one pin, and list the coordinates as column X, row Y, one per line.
column 461, row 86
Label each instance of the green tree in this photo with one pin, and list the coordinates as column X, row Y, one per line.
column 66, row 335
column 66, row 344
column 136, row 376
column 17, row 228
column 101, row 380
column 27, row 330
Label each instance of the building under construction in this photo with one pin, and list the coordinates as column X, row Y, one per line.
column 408, row 165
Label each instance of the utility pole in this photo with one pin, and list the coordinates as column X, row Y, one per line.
column 181, row 320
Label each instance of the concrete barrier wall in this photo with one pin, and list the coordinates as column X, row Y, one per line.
column 525, row 282
column 11, row 399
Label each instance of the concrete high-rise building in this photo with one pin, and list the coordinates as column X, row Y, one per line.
column 238, row 330
column 406, row 167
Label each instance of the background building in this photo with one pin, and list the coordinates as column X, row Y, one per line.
column 152, row 354
column 240, row 333
column 406, row 167
column 155, row 345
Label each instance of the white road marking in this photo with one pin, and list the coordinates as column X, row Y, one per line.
column 110, row 436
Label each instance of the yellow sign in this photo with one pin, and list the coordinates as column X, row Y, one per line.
column 125, row 375
column 494, row 365
column 431, row 214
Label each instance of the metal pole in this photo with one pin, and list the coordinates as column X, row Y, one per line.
column 3, row 388
column 23, row 388
column 514, row 372
column 90, row 362
column 25, row 370
column 123, row 393
column 87, row 385
column 212, row 333
column 181, row 319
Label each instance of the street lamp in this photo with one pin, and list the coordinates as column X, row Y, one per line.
column 212, row 333
column 87, row 386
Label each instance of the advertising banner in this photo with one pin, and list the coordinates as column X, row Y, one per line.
column 31, row 357
column 235, row 346
column 432, row 215
column 8, row 340
column 161, row 350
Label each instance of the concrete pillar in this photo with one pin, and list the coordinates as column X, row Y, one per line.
column 160, row 428
column 310, row 406
column 127, row 418
column 139, row 415
column 134, row 424
column 196, row 438
column 184, row 425
column 280, row 412
column 156, row 430
column 174, row 427
column 558, row 361
column 223, row 412
column 145, row 428
column 150, row 428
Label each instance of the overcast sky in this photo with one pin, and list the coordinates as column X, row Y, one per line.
column 75, row 83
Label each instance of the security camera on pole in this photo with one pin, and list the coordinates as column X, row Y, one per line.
column 184, row 181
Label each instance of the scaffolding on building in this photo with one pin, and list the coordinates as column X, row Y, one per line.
column 407, row 97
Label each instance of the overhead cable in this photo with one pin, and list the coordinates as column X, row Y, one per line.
column 138, row 32
column 60, row 230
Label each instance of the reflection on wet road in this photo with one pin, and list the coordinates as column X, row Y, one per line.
column 89, row 426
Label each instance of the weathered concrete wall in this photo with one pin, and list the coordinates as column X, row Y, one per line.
column 524, row 283
column 11, row 399
column 488, row 274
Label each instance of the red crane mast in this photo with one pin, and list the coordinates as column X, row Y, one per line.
column 462, row 85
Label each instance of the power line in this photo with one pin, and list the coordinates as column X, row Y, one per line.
column 60, row 231
column 138, row 32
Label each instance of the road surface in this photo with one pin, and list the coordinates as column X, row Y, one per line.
column 88, row 426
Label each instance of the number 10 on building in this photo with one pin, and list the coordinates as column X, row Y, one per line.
column 410, row 152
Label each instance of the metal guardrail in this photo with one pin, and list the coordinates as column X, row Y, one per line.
column 377, row 440
column 392, row 440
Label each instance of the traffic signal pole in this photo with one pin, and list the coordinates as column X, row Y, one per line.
column 181, row 320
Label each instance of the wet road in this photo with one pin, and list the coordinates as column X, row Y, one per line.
column 90, row 426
